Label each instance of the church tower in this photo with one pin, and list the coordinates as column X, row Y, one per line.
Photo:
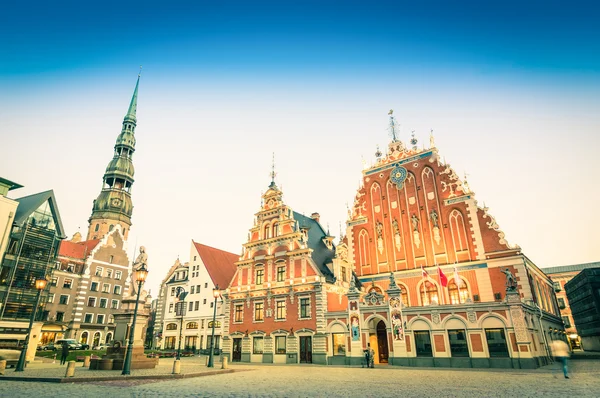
column 113, row 206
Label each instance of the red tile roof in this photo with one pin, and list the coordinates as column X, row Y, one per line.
column 78, row 250
column 219, row 264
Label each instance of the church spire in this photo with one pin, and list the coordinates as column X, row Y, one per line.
column 131, row 112
column 114, row 205
column 273, row 173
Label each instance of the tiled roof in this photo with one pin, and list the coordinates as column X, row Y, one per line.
column 569, row 268
column 321, row 254
column 78, row 250
column 219, row 264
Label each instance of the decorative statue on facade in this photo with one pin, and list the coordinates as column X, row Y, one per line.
column 397, row 237
column 379, row 228
column 415, row 225
column 140, row 262
column 511, row 281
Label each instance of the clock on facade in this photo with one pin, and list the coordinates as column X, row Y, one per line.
column 398, row 176
column 116, row 202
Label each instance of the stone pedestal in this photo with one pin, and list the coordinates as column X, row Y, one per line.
column 123, row 321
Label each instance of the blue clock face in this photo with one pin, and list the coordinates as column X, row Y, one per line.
column 398, row 176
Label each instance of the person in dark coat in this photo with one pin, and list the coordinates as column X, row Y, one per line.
column 64, row 353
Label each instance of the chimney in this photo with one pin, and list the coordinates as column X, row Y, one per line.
column 315, row 216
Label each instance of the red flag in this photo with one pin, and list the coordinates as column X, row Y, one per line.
column 443, row 277
column 424, row 273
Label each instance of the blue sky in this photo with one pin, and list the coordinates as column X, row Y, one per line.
column 510, row 88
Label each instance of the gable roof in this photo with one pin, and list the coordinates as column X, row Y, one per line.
column 29, row 204
column 321, row 254
column 79, row 250
column 219, row 264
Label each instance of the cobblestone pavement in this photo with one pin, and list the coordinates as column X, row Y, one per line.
column 321, row 381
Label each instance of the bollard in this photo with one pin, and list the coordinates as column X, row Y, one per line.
column 54, row 360
column 2, row 366
column 176, row 367
column 70, row 369
column 86, row 361
column 224, row 363
column 206, row 362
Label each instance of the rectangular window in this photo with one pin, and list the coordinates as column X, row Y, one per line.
column 172, row 291
column 114, row 304
column 339, row 344
column 202, row 324
column 281, row 274
column 198, row 305
column 117, row 289
column 88, row 318
column 260, row 273
column 423, row 343
column 99, row 271
column 206, row 285
column 100, row 318
column 566, row 321
column 192, row 289
column 204, row 301
column 118, row 275
column 561, row 303
column 170, row 307
column 197, row 288
column 344, row 275
column 94, row 287
column 458, row 343
column 91, row 302
column 109, row 273
column 191, row 306
column 305, row 307
column 60, row 316
column 211, row 304
column 280, row 314
column 259, row 312
column 105, row 288
column 68, row 283
column 54, row 282
column 239, row 313
column 496, row 341
column 64, row 299
column 257, row 345
column 103, row 303
column 51, row 298
column 170, row 343
column 279, row 344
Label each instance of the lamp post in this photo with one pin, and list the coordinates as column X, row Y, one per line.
column 181, row 294
column 216, row 295
column 141, row 276
column 40, row 284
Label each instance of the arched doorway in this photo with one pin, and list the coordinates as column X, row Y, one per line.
column 108, row 338
column 96, row 339
column 84, row 338
column 382, row 342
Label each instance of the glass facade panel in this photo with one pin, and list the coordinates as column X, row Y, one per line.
column 459, row 346
column 496, row 341
column 423, row 343
column 339, row 343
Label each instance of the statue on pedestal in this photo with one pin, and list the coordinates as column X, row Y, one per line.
column 140, row 262
column 511, row 281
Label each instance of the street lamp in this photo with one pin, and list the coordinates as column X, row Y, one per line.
column 141, row 275
column 40, row 284
column 181, row 294
column 216, row 294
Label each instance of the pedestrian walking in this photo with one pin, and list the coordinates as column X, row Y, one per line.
column 370, row 354
column 64, row 353
column 560, row 351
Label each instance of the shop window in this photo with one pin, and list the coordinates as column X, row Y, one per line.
column 257, row 345
column 339, row 343
column 496, row 341
column 458, row 343
column 423, row 343
column 280, row 344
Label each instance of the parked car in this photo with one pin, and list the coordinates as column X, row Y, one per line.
column 46, row 347
column 101, row 347
column 73, row 344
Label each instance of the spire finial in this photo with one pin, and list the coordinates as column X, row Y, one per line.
column 431, row 139
column 393, row 126
column 413, row 140
column 273, row 174
column 131, row 112
column 378, row 153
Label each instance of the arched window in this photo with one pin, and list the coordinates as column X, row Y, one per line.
column 84, row 338
column 429, row 294
column 108, row 338
column 275, row 229
column 96, row 341
column 459, row 293
column 172, row 326
column 363, row 248
column 97, row 227
column 267, row 231
column 192, row 325
column 404, row 296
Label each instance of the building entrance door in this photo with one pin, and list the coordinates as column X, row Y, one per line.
column 305, row 349
column 236, row 355
column 382, row 342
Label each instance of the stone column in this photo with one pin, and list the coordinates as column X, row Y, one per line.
column 398, row 354
column 355, row 355
column 524, row 355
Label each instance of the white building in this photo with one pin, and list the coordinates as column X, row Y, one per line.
column 208, row 268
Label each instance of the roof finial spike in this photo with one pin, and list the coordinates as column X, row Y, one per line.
column 431, row 139
column 273, row 174
column 413, row 140
column 393, row 126
column 378, row 153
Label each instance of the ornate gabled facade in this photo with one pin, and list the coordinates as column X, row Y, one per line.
column 277, row 300
column 435, row 267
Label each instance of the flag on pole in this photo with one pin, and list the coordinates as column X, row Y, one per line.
column 425, row 274
column 443, row 277
column 457, row 279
